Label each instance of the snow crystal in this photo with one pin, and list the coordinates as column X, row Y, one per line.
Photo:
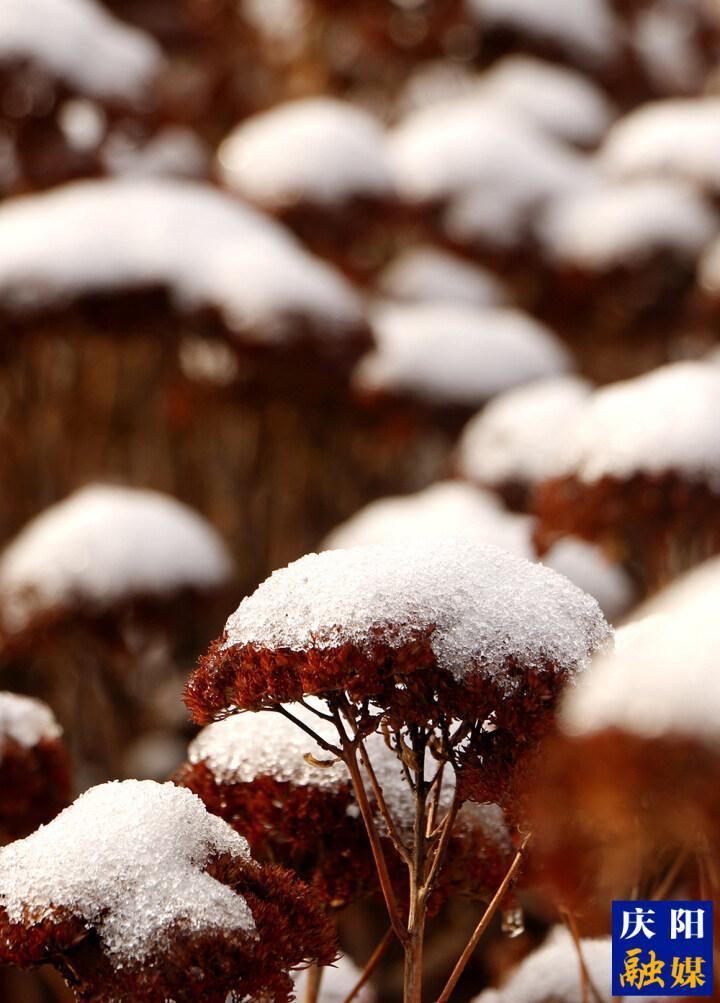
column 338, row 981
column 128, row 858
column 662, row 676
column 472, row 142
column 520, row 435
column 449, row 508
column 622, row 223
column 562, row 101
column 319, row 150
column 240, row 748
column 676, row 138
column 105, row 236
column 103, row 544
column 482, row 605
column 118, row 61
column 662, row 421
column 25, row 720
column 552, row 973
column 423, row 273
column 452, row 354
column 584, row 28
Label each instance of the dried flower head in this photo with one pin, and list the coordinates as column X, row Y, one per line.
column 135, row 892
column 35, row 779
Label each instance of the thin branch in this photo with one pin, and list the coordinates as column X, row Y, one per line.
column 587, row 986
column 440, row 851
column 323, row 743
column 350, row 760
column 316, row 711
column 313, row 980
column 382, row 805
column 372, row 963
column 482, row 925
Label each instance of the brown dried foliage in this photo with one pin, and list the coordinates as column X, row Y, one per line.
column 630, row 808
column 35, row 785
column 657, row 525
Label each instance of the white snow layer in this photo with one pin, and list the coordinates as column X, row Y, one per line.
column 448, row 353
column 666, row 420
column 426, row 274
column 104, row 544
column 560, row 100
column 317, row 150
column 78, row 42
column 624, row 223
column 481, row 604
column 455, row 509
column 551, row 973
column 128, row 858
column 205, row 247
column 679, row 137
column 25, row 720
column 472, row 141
column 661, row 678
column 240, row 748
column 586, row 29
column 520, row 435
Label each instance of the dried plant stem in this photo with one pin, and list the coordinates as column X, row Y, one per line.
column 483, row 924
column 351, row 762
column 372, row 963
column 312, row 984
column 587, row 986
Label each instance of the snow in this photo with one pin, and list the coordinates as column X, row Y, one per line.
column 664, row 38
column 25, row 720
column 246, row 746
column 173, row 150
column 453, row 509
column 317, row 150
column 551, row 973
column 587, row 567
column 666, row 420
column 397, row 592
column 520, row 436
column 104, row 544
column 128, row 858
column 679, row 137
column 449, row 508
column 473, row 142
column 338, row 981
column 243, row 747
column 206, row 248
column 446, row 353
column 423, row 273
column 586, row 29
column 661, row 679
column 82, row 45
column 623, row 223
column 562, row 101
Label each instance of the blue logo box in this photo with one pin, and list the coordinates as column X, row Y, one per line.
column 662, row 948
